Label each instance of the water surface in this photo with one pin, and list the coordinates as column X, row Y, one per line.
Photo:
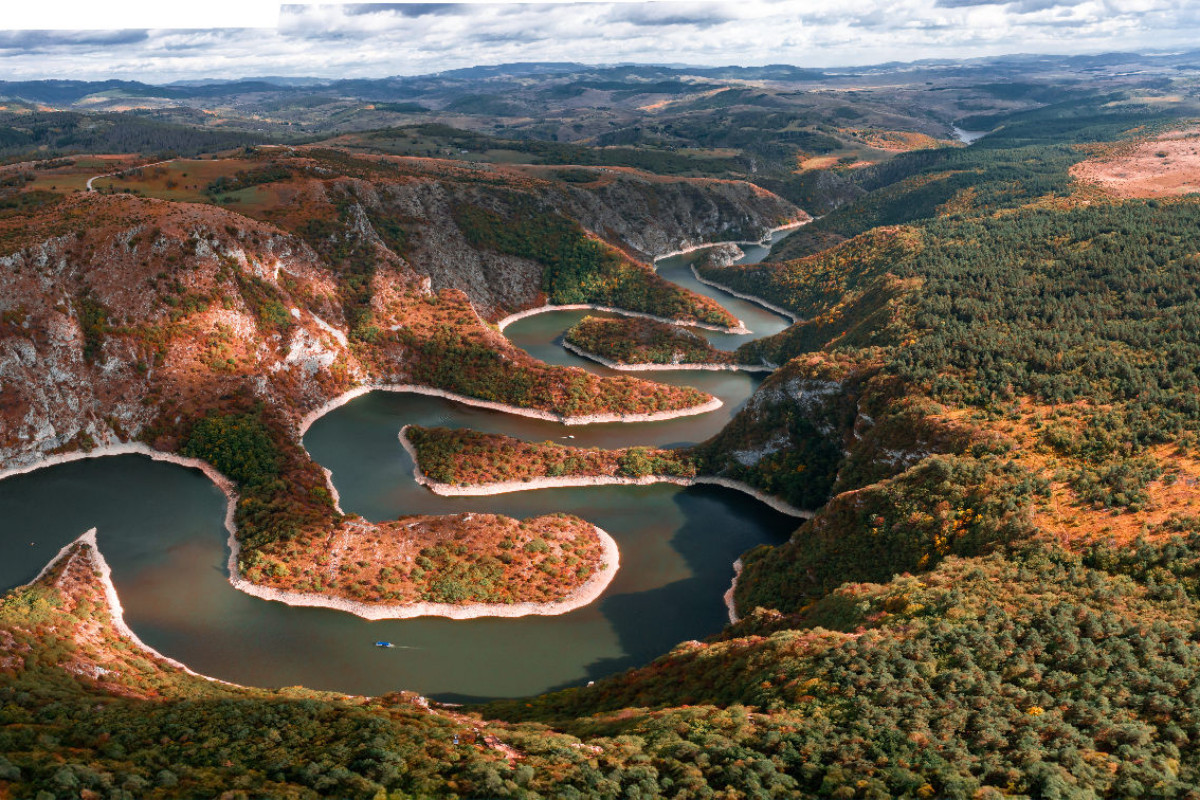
column 160, row 527
column 967, row 137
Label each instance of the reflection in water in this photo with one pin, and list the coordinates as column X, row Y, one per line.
column 160, row 527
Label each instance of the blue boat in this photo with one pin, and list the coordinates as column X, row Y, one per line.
column 384, row 644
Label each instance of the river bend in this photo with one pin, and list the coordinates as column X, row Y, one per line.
column 160, row 528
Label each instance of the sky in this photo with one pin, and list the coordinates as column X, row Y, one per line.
column 166, row 41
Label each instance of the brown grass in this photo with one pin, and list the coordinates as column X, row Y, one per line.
column 1070, row 520
column 1166, row 166
column 535, row 560
column 895, row 141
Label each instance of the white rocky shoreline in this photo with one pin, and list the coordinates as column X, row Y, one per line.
column 587, row 419
column 648, row 367
column 740, row 329
column 568, row 481
column 730, row 603
column 783, row 312
column 87, row 544
column 581, row 596
column 577, row 598
column 763, row 242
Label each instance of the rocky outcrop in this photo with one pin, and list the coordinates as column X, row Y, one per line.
column 647, row 216
column 121, row 316
column 722, row 255
column 149, row 308
column 792, row 436
column 653, row 216
column 438, row 250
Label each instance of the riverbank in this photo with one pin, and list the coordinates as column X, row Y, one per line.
column 127, row 449
column 769, row 306
column 312, row 595
column 585, row 594
column 567, row 481
column 86, row 545
column 586, row 419
column 592, row 588
column 579, row 351
column 740, row 330
column 763, row 242
column 730, row 603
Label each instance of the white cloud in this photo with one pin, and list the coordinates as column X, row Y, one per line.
column 376, row 40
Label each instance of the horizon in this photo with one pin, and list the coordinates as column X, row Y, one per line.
column 378, row 40
column 554, row 66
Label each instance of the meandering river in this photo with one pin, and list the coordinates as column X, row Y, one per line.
column 160, row 528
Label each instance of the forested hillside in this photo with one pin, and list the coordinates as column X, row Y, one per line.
column 1065, row 337
column 1027, row 157
column 40, row 135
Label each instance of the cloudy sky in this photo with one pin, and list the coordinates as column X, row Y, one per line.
column 238, row 38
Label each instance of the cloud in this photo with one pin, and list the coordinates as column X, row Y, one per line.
column 402, row 9
column 967, row 3
column 664, row 14
column 1014, row 6
column 40, row 41
column 374, row 40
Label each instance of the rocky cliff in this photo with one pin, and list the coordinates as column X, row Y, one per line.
column 140, row 308
column 653, row 216
column 122, row 316
column 408, row 205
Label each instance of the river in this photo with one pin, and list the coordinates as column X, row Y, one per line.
column 160, row 527
column 968, row 137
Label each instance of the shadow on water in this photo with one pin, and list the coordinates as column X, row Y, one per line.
column 160, row 527
column 718, row 527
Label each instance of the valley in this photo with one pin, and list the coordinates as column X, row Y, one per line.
column 379, row 485
column 516, row 368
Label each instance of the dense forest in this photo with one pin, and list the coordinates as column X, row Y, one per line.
column 1026, row 674
column 43, row 134
column 1092, row 303
column 1030, row 673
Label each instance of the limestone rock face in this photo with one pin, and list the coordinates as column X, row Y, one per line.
column 120, row 315
column 722, row 255
column 658, row 216
column 647, row 216
column 150, row 306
